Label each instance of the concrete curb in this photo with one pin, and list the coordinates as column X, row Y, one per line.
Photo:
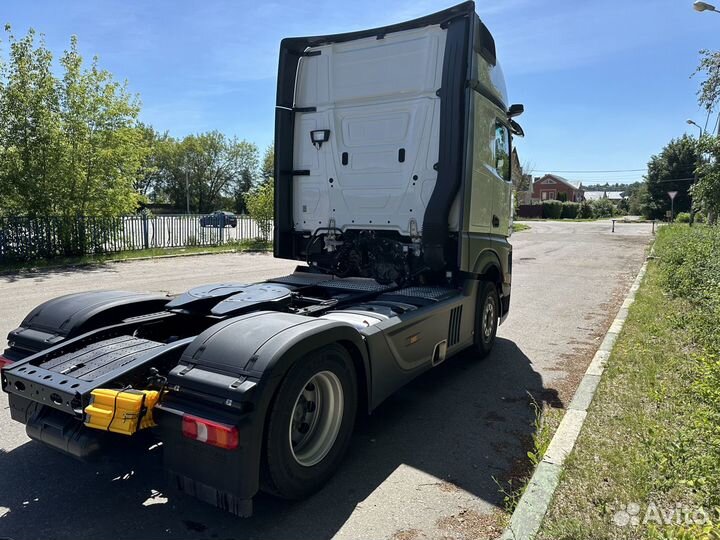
column 527, row 518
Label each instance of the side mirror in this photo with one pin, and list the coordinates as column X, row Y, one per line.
column 516, row 129
column 516, row 110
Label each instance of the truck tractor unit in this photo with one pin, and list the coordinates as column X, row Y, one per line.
column 392, row 187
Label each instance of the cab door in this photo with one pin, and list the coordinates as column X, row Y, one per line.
column 502, row 189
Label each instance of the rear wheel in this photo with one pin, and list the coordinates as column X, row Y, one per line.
column 486, row 317
column 310, row 423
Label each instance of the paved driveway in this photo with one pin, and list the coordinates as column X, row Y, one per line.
column 421, row 467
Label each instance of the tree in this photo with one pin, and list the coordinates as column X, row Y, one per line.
column 31, row 152
column 706, row 190
column 602, row 208
column 261, row 206
column 69, row 145
column 709, row 92
column 149, row 174
column 209, row 167
column 671, row 170
column 267, row 171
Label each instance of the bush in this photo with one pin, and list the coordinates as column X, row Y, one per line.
column 585, row 211
column 552, row 209
column 603, row 208
column 570, row 210
column 683, row 217
column 689, row 261
column 261, row 206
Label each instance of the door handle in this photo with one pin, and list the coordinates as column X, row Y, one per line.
column 496, row 221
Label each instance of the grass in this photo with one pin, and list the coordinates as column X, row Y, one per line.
column 58, row 262
column 561, row 219
column 547, row 420
column 517, row 227
column 646, row 461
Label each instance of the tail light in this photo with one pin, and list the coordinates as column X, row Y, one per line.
column 4, row 362
column 209, row 432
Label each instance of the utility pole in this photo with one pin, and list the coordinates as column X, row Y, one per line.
column 695, row 174
column 187, row 190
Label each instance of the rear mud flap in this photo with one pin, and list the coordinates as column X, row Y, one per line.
column 221, row 499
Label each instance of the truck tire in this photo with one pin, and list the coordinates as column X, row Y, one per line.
column 310, row 423
column 486, row 318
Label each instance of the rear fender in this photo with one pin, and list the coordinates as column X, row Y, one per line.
column 68, row 316
column 259, row 348
column 233, row 370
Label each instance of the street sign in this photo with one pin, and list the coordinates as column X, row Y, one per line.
column 672, row 204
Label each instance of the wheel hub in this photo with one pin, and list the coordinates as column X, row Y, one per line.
column 488, row 321
column 316, row 418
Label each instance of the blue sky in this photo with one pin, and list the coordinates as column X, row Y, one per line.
column 605, row 84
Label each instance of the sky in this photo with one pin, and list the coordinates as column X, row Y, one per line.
column 605, row 84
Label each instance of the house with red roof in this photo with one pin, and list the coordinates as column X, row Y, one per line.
column 553, row 187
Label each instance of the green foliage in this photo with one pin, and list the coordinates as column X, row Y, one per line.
column 545, row 423
column 690, row 265
column 683, row 217
column 603, row 208
column 267, row 169
column 585, row 211
column 706, row 190
column 562, row 197
column 552, row 209
column 214, row 170
column 710, row 531
column 640, row 203
column 69, row 144
column 570, row 210
column 261, row 206
column 611, row 187
column 670, row 171
column 709, row 92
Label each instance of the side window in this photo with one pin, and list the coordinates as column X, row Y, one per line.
column 502, row 151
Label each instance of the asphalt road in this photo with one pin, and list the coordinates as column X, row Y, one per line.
column 423, row 466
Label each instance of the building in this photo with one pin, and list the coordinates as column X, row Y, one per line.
column 522, row 183
column 554, row 187
column 613, row 196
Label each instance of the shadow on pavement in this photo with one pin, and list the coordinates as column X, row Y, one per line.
column 41, row 274
column 464, row 422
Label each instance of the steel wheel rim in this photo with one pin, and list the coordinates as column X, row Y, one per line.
column 488, row 319
column 316, row 418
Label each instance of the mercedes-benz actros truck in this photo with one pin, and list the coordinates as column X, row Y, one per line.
column 392, row 186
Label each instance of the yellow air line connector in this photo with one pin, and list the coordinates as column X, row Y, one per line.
column 121, row 411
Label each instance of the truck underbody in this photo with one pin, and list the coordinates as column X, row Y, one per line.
column 256, row 386
column 218, row 352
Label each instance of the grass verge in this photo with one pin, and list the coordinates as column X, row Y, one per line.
column 646, row 462
column 574, row 220
column 517, row 227
column 58, row 262
column 547, row 420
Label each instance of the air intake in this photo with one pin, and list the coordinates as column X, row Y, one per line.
column 454, row 329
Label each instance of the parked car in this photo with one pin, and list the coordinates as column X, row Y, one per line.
column 219, row 218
